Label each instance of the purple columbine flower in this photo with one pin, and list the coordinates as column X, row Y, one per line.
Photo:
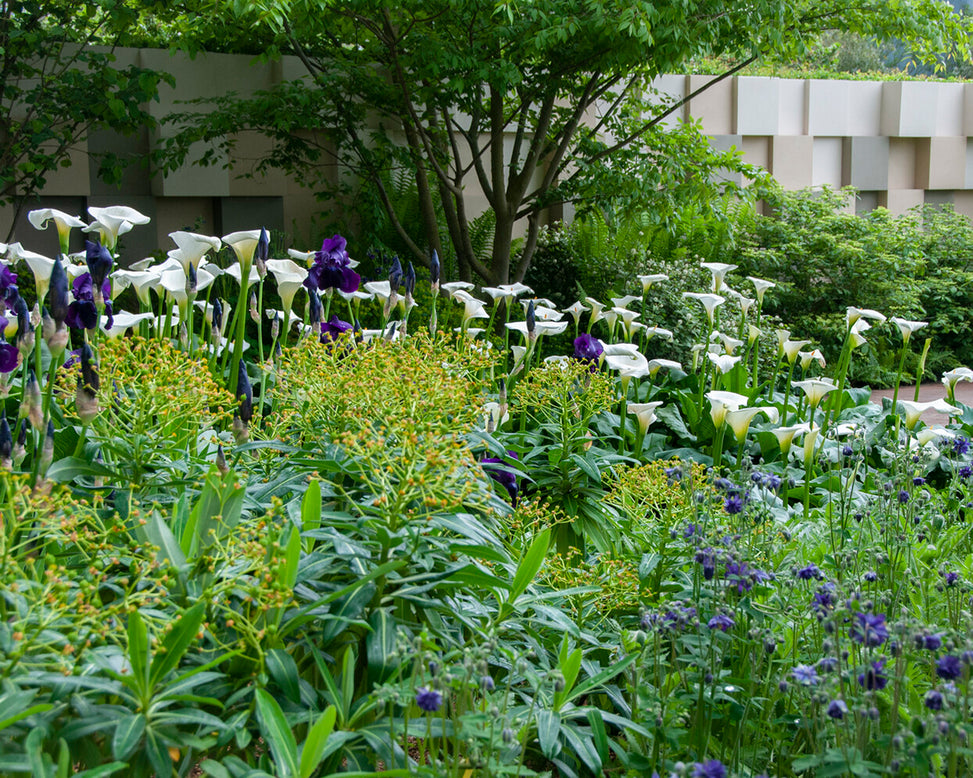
column 950, row 578
column 734, row 503
column 712, row 768
column 809, row 572
column 870, row 629
column 949, row 667
column 428, row 700
column 722, row 622
column 934, row 700
column 965, row 472
column 929, row 642
column 903, row 496
column 707, row 558
column 83, row 313
column 332, row 268
column 961, row 446
column 874, row 678
column 333, row 329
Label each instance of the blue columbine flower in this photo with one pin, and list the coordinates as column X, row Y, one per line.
column 837, row 709
column 735, row 503
column 965, row 472
column 903, row 496
column 707, row 558
column 950, row 578
column 870, row 629
column 934, row 700
column 712, row 768
column 332, row 268
column 806, row 675
column 929, row 642
column 809, row 572
column 428, row 700
column 961, row 446
column 949, row 667
column 721, row 622
column 874, row 678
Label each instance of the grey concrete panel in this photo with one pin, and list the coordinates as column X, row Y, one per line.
column 714, row 106
column 791, row 160
column 757, row 106
column 865, row 163
column 248, row 213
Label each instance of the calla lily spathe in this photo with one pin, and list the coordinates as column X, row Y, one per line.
column 62, row 221
column 739, row 420
column 719, row 271
column 907, row 327
column 816, row 389
column 710, row 302
column 192, row 247
column 244, row 244
column 113, row 221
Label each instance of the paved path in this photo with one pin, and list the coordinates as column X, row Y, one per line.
column 928, row 393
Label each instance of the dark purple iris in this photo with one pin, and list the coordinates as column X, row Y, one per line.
column 332, row 268
column 83, row 313
column 99, row 262
column 8, row 285
column 870, row 629
column 506, row 478
column 333, row 329
column 588, row 349
column 9, row 355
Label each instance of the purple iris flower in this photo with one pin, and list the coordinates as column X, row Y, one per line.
column 332, row 268
column 870, row 629
column 99, row 262
column 8, row 286
column 428, row 700
column 82, row 313
column 57, row 294
column 588, row 348
column 333, row 329
column 506, row 478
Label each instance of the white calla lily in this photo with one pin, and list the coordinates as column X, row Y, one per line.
column 113, row 221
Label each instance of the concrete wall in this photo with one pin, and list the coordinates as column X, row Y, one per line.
column 901, row 143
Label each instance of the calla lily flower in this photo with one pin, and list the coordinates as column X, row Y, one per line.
column 648, row 280
column 661, row 332
column 723, row 362
column 474, row 309
column 907, row 327
column 613, row 349
column 753, row 332
column 855, row 333
column 951, row 378
column 113, row 221
column 192, row 248
column 519, row 353
column 122, row 321
column 244, row 245
column 929, row 434
column 64, row 223
column 730, row 344
column 628, row 365
column 708, row 301
column 290, row 278
column 913, row 410
column 816, row 389
column 39, row 265
column 655, row 365
column 722, row 403
column 576, row 310
column 596, row 309
column 644, row 412
column 143, row 281
column 173, row 281
column 785, row 435
column 807, row 357
column 854, row 314
column 792, row 347
column 543, row 313
column 746, row 303
column 739, row 419
column 719, row 271
column 454, row 286
column 761, row 286
column 236, row 273
column 624, row 302
column 540, row 327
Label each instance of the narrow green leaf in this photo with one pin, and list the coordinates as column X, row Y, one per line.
column 278, row 734
column 598, row 733
column 292, row 556
column 530, row 564
column 380, row 645
column 138, row 648
column 102, row 771
column 158, row 754
column 317, row 740
column 311, row 512
column 63, row 758
column 569, row 668
column 10, row 720
column 177, row 642
column 215, row 769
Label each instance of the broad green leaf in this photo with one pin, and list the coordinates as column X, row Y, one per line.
column 128, row 732
column 283, row 669
column 317, row 740
column 380, row 646
column 548, row 729
column 278, row 734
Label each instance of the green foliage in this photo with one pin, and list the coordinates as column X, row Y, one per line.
column 58, row 81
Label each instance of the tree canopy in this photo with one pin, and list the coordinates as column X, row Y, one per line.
column 535, row 101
